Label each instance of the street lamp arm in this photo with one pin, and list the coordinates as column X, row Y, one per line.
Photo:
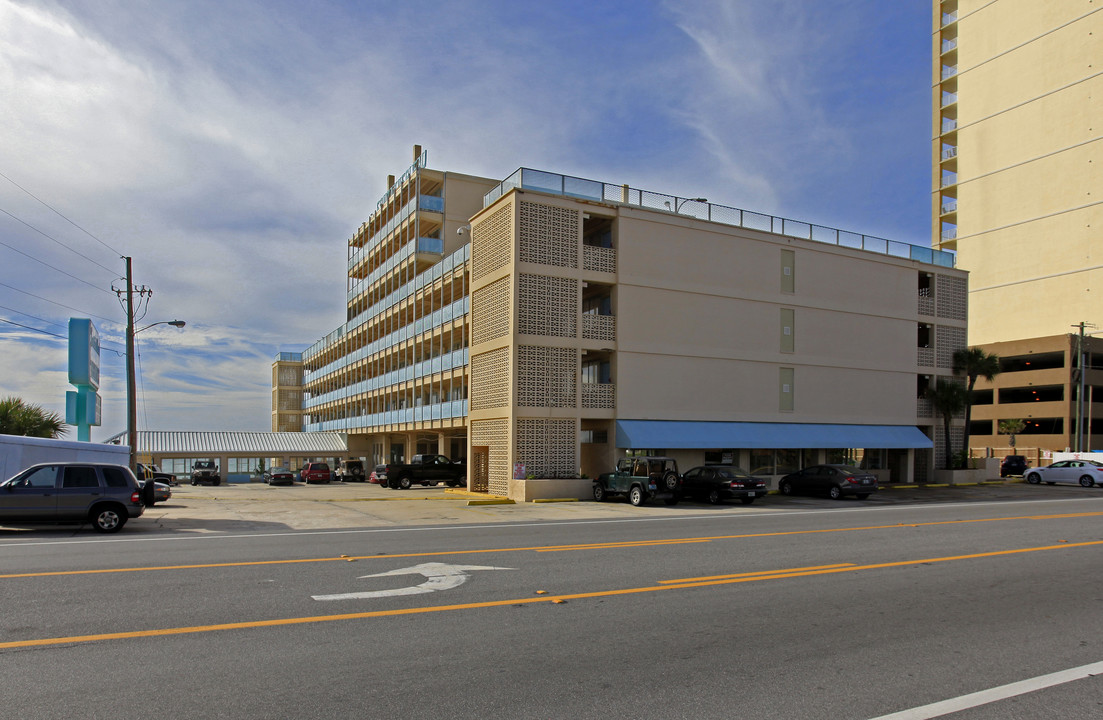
column 174, row 323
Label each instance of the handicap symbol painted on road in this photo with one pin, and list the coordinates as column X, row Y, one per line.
column 439, row 576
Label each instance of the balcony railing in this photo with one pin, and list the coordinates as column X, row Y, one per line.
column 949, row 44
column 949, row 124
column 567, row 186
column 949, row 206
column 599, row 327
column 949, row 153
column 948, row 71
column 949, row 18
column 599, row 259
column 599, row 396
column 948, row 98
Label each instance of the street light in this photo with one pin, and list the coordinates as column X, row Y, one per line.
column 679, row 202
column 149, row 492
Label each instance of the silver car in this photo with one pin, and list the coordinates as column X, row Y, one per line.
column 102, row 494
column 1074, row 472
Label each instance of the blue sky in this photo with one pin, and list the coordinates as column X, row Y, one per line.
column 231, row 147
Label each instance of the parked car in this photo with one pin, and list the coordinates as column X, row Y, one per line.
column 315, row 472
column 102, row 494
column 720, row 482
column 350, row 470
column 1076, row 472
column 835, row 481
column 379, row 475
column 641, row 479
column 426, row 470
column 1013, row 465
column 205, row 471
column 162, row 491
column 278, row 476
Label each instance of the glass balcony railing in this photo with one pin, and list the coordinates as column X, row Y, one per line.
column 526, row 178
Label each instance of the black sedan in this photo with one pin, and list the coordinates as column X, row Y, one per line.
column 278, row 476
column 720, row 482
column 835, row 481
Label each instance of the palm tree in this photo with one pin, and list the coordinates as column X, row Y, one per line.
column 20, row 418
column 974, row 363
column 1012, row 427
column 948, row 399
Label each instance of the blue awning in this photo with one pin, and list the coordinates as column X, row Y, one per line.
column 698, row 435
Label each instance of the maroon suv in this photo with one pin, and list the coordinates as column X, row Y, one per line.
column 315, row 472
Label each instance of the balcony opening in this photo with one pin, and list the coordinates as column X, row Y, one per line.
column 925, row 335
column 926, row 285
column 597, row 231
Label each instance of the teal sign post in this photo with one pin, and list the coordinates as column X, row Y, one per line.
column 83, row 406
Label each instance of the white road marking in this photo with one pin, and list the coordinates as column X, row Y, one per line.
column 995, row 694
column 441, row 576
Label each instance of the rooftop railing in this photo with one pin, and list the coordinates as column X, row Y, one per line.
column 567, row 186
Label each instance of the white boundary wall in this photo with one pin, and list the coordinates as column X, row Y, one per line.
column 18, row 452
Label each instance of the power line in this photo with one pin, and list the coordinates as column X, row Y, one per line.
column 103, row 343
column 67, row 307
column 43, row 262
column 50, row 237
column 78, row 227
column 44, row 332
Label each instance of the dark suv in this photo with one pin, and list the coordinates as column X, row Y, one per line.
column 641, row 479
column 1013, row 465
column 102, row 494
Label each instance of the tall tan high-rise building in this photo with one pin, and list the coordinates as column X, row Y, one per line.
column 1016, row 192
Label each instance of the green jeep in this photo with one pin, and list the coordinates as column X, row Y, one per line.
column 641, row 478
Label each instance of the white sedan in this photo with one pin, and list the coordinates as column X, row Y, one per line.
column 1076, row 472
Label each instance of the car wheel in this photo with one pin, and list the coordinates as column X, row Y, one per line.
column 835, row 493
column 1086, row 481
column 714, row 497
column 216, row 483
column 636, row 496
column 599, row 492
column 194, row 483
column 1034, row 478
column 404, row 483
column 785, row 487
column 108, row 519
column 670, row 482
column 862, row 496
column 746, row 500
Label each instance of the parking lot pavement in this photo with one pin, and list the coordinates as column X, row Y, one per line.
column 255, row 506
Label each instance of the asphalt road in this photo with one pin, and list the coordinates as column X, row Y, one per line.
column 802, row 609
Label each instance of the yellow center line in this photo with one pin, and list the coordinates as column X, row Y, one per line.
column 756, row 575
column 681, row 585
column 544, row 548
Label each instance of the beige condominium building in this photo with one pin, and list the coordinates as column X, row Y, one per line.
column 1017, row 189
column 561, row 323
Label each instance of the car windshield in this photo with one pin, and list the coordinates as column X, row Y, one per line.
column 850, row 470
column 204, row 465
column 1096, row 463
column 278, row 471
